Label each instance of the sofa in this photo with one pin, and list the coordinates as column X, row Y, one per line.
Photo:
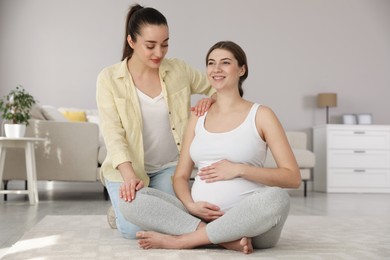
column 74, row 149
column 70, row 152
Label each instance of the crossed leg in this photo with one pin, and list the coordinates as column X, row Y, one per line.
column 155, row 240
column 239, row 226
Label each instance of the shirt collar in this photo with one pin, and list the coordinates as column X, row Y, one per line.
column 121, row 73
column 163, row 70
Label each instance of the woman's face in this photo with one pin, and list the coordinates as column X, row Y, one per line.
column 151, row 45
column 223, row 69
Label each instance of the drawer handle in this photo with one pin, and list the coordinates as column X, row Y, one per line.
column 356, row 170
column 359, row 151
column 359, row 132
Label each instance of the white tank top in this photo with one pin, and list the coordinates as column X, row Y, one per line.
column 240, row 145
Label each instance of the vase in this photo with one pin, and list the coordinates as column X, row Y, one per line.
column 14, row 130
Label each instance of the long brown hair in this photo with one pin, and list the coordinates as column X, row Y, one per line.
column 137, row 17
column 238, row 54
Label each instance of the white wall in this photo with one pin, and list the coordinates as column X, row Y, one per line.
column 296, row 49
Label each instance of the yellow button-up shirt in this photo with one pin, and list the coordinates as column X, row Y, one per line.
column 120, row 113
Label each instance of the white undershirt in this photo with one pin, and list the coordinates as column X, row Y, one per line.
column 159, row 145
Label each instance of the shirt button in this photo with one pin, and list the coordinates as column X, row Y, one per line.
column 173, row 129
column 178, row 143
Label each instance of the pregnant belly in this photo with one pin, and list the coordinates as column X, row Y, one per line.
column 224, row 194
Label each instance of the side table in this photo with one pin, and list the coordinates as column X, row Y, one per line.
column 28, row 144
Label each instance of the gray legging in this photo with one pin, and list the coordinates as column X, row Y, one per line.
column 260, row 216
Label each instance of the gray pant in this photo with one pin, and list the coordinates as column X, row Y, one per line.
column 260, row 216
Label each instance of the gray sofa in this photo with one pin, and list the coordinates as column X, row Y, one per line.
column 69, row 154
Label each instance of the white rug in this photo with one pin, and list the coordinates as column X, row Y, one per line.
column 304, row 237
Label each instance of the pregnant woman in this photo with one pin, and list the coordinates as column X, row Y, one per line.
column 234, row 202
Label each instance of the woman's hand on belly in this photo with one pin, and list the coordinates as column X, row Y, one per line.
column 204, row 210
column 218, row 171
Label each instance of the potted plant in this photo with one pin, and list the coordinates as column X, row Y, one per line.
column 15, row 108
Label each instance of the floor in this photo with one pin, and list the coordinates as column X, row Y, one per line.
column 59, row 198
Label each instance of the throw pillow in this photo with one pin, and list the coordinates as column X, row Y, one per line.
column 51, row 113
column 37, row 112
column 75, row 116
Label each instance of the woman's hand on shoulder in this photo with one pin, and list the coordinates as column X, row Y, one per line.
column 204, row 210
column 218, row 171
column 202, row 106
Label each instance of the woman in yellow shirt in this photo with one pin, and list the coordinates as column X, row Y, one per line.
column 144, row 105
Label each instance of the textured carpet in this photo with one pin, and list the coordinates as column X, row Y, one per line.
column 304, row 237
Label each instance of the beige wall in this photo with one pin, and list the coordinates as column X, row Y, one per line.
column 296, row 49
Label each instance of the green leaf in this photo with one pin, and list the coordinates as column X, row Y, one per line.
column 16, row 106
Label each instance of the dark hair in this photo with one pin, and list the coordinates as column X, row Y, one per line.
column 238, row 54
column 137, row 17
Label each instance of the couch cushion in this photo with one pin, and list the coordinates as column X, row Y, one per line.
column 305, row 158
column 297, row 139
column 51, row 113
column 95, row 119
column 36, row 113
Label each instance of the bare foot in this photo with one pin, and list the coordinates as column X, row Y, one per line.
column 243, row 245
column 154, row 240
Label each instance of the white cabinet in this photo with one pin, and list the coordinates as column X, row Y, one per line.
column 352, row 158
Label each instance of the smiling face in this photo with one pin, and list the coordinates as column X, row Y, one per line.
column 223, row 70
column 151, row 45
